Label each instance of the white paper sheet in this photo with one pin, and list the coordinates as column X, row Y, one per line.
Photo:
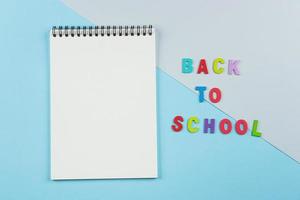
column 103, row 107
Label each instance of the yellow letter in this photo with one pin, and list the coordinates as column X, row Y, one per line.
column 215, row 65
column 190, row 122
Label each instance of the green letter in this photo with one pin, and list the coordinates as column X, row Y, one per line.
column 254, row 129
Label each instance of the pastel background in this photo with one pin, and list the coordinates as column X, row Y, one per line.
column 194, row 166
column 263, row 34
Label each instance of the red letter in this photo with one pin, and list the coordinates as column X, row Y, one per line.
column 238, row 127
column 217, row 97
column 177, row 126
column 228, row 124
column 202, row 67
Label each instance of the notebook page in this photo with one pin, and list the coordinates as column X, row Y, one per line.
column 103, row 107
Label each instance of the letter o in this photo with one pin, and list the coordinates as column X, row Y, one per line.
column 238, row 129
column 215, row 95
column 223, row 124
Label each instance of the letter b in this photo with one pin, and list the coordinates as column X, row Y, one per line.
column 187, row 65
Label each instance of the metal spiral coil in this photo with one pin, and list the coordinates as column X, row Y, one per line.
column 88, row 31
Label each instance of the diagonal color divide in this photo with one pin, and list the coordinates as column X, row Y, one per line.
column 262, row 34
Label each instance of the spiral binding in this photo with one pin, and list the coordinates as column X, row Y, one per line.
column 85, row 31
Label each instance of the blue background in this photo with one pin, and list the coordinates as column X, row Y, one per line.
column 191, row 166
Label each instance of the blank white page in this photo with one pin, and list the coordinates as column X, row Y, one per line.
column 103, row 107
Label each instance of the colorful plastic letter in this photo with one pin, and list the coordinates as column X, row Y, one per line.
column 225, row 126
column 177, row 126
column 201, row 90
column 238, row 129
column 215, row 95
column 209, row 125
column 187, row 65
column 202, row 67
column 190, row 122
column 233, row 67
column 216, row 69
column 254, row 132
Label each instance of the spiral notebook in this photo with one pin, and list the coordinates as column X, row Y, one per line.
column 103, row 102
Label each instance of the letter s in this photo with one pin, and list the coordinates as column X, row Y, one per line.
column 177, row 126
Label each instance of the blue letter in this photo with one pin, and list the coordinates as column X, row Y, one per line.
column 187, row 65
column 201, row 90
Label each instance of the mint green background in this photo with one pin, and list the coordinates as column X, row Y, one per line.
column 191, row 166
